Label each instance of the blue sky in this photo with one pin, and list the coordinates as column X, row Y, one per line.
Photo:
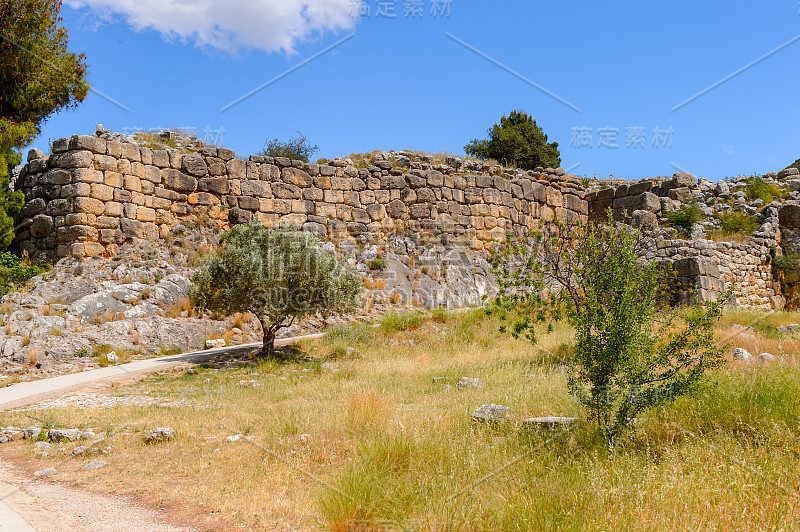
column 434, row 82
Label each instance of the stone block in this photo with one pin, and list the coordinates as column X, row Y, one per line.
column 105, row 162
column 113, row 208
column 102, row 192
column 131, row 152
column 132, row 183
column 606, row 194
column 160, row 158
column 76, row 189
column 682, row 194
column 73, row 159
column 194, row 165
column 42, row 226
column 112, row 179
column 695, row 266
column 256, row 188
column 178, row 181
column 237, row 168
column 789, row 216
column 296, row 177
column 683, row 179
column 61, row 207
column 285, row 191
column 86, row 175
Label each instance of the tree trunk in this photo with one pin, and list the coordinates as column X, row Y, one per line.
column 268, row 338
column 268, row 347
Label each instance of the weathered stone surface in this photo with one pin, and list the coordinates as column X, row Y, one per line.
column 194, row 165
column 178, row 181
column 789, row 216
column 491, row 413
column 683, row 179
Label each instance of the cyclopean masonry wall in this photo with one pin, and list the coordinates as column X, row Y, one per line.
column 703, row 268
column 92, row 195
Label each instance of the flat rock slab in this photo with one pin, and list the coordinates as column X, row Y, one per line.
column 491, row 413
column 549, row 423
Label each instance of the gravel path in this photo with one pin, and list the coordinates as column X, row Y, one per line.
column 49, row 507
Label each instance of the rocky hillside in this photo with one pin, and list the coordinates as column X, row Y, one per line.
column 134, row 305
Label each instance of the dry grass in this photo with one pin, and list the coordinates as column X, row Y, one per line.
column 377, row 445
column 374, row 284
column 182, row 308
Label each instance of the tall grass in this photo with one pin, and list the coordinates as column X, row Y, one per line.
column 377, row 444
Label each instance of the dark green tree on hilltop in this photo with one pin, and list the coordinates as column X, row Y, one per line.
column 38, row 77
column 519, row 141
column 795, row 164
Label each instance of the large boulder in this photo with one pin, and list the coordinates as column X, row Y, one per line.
column 789, row 216
column 683, row 179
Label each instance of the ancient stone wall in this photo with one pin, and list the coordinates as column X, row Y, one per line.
column 703, row 268
column 706, row 268
column 92, row 195
column 653, row 195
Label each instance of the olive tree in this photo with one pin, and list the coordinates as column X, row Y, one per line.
column 279, row 274
column 631, row 353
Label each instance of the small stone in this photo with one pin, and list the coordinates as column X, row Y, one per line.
column 94, row 465
column 32, row 433
column 766, row 357
column 159, row 434
column 82, row 450
column 305, row 438
column 741, row 354
column 491, row 413
column 190, row 371
column 469, row 382
column 328, row 365
column 234, row 438
column 64, row 434
column 45, row 472
column 41, row 446
column 112, row 357
column 215, row 344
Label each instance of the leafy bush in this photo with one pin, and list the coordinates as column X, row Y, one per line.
column 15, row 272
column 628, row 356
column 686, row 216
column 297, row 149
column 517, row 140
column 735, row 221
column 11, row 201
column 280, row 275
column 378, row 263
column 756, row 188
column 795, row 164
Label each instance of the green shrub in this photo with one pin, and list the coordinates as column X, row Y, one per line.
column 281, row 275
column 517, row 140
column 757, row 188
column 378, row 263
column 685, row 217
column 735, row 221
column 15, row 272
column 297, row 149
column 627, row 356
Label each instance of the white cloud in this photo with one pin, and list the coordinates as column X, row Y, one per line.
column 727, row 149
column 230, row 25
